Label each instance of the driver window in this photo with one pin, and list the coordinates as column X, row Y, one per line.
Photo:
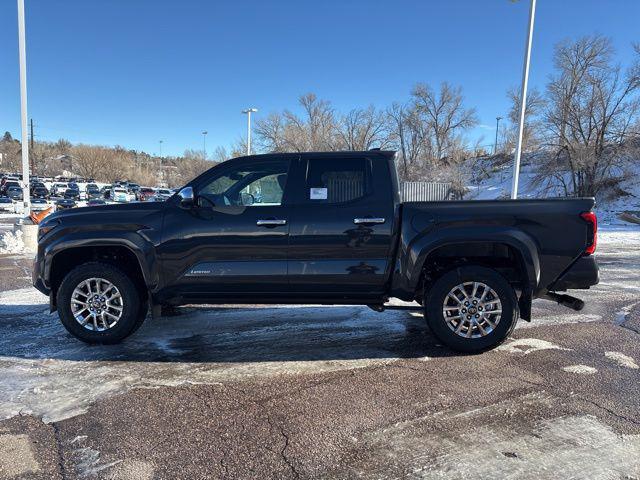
column 249, row 185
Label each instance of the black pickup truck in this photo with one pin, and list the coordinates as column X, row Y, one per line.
column 315, row 228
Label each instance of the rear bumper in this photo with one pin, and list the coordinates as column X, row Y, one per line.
column 583, row 274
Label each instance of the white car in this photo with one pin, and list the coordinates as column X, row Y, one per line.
column 58, row 189
column 38, row 204
column 6, row 205
column 121, row 195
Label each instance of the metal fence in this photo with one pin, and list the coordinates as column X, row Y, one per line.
column 425, row 191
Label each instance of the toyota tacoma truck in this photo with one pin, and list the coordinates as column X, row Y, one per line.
column 315, row 228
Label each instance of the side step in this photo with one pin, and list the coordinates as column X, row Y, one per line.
column 566, row 300
column 410, row 308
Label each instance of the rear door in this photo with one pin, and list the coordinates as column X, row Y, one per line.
column 341, row 226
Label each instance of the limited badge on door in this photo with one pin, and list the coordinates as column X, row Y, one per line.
column 318, row 193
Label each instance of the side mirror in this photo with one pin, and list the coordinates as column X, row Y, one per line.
column 186, row 197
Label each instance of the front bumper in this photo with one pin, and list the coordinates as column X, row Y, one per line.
column 583, row 274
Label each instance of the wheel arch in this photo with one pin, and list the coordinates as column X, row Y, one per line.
column 493, row 248
column 63, row 260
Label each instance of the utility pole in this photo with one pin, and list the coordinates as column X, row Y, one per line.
column 249, row 111
column 31, row 149
column 22, row 53
column 204, row 143
column 495, row 145
column 523, row 101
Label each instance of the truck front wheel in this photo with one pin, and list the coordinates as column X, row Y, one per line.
column 471, row 309
column 98, row 303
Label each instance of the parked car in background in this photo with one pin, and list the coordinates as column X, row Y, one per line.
column 94, row 202
column 14, row 193
column 38, row 204
column 8, row 184
column 162, row 194
column 133, row 188
column 65, row 203
column 92, row 191
column 6, row 205
column 120, row 194
column 145, row 193
column 39, row 192
column 38, row 189
column 72, row 192
column 58, row 189
column 106, row 192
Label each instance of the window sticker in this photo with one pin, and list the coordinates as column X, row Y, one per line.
column 318, row 193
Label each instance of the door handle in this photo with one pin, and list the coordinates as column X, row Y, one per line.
column 364, row 221
column 271, row 222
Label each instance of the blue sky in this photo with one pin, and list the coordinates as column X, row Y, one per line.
column 132, row 72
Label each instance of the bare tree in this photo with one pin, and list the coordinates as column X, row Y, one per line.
column 288, row 132
column 193, row 164
column 592, row 106
column 444, row 114
column 10, row 152
column 532, row 136
column 408, row 136
column 362, row 129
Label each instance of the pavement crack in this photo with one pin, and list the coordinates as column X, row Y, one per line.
column 608, row 410
column 283, row 452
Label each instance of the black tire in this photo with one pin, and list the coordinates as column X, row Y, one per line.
column 134, row 309
column 435, row 298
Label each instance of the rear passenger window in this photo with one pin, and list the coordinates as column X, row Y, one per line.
column 336, row 180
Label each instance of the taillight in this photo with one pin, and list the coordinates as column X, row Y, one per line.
column 591, row 219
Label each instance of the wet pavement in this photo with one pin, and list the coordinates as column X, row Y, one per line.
column 325, row 392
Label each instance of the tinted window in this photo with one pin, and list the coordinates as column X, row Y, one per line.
column 336, row 180
column 248, row 185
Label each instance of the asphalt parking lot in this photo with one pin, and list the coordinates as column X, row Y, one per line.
column 324, row 392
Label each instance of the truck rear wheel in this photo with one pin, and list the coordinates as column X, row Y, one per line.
column 471, row 309
column 99, row 304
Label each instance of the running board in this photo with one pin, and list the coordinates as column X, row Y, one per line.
column 565, row 300
column 410, row 308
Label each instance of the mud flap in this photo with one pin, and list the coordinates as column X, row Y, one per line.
column 524, row 304
column 52, row 302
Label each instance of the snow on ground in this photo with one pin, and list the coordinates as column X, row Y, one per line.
column 498, row 185
column 47, row 372
column 11, row 243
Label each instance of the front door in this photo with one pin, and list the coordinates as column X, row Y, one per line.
column 233, row 242
column 341, row 225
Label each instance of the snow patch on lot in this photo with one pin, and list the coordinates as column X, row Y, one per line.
column 580, row 369
column 11, row 243
column 622, row 359
column 529, row 345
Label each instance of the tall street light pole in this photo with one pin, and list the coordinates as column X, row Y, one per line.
column 249, row 111
column 23, row 108
column 495, row 145
column 160, row 142
column 523, row 101
column 204, row 143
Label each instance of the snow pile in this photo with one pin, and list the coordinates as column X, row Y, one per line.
column 11, row 243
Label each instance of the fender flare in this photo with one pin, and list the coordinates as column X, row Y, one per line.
column 132, row 241
column 426, row 244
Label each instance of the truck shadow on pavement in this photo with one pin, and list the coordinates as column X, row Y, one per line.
column 229, row 334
